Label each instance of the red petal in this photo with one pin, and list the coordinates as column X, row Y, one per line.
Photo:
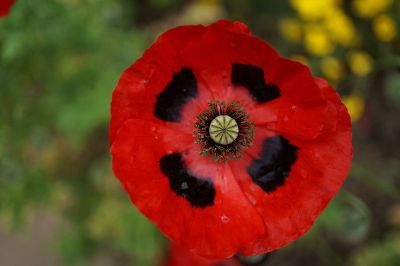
column 317, row 175
column 300, row 110
column 139, row 85
column 214, row 232
column 212, row 60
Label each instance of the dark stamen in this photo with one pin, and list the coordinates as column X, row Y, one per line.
column 227, row 136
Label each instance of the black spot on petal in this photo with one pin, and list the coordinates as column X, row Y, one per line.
column 199, row 192
column 274, row 165
column 176, row 94
column 252, row 78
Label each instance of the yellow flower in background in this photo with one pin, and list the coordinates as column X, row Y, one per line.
column 301, row 59
column 202, row 12
column 340, row 27
column 384, row 28
column 370, row 8
column 290, row 29
column 327, row 25
column 355, row 105
column 317, row 41
column 360, row 63
column 332, row 68
column 313, row 9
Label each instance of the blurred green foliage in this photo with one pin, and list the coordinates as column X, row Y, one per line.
column 59, row 63
column 60, row 60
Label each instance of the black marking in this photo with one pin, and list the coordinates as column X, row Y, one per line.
column 181, row 89
column 273, row 167
column 252, row 78
column 199, row 192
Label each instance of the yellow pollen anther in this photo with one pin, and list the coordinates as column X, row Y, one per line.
column 223, row 130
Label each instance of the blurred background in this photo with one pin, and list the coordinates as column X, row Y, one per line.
column 59, row 62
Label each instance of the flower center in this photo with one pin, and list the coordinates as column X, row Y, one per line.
column 223, row 130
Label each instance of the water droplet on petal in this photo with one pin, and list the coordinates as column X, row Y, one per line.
column 225, row 219
column 184, row 185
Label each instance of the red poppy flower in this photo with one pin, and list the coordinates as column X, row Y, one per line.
column 226, row 146
column 5, row 7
